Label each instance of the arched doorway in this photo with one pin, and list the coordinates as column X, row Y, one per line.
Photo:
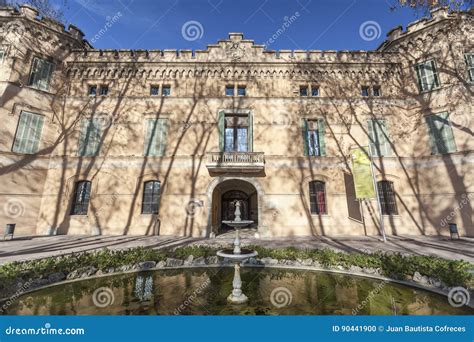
column 224, row 195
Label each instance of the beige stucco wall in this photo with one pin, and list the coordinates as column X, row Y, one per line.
column 428, row 187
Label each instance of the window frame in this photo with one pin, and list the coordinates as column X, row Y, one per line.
column 83, row 149
column 387, row 197
column 313, row 89
column 304, row 91
column 3, row 53
column 152, row 87
column 365, row 91
column 435, row 135
column 159, row 133
column 229, row 90
column 434, row 75
column 241, row 87
column 154, row 194
column 315, row 207
column 83, row 205
column 18, row 141
column 377, row 128
column 92, row 90
column 166, row 90
column 378, row 89
column 102, row 88
column 33, row 80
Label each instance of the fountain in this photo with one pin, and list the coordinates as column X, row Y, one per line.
column 237, row 255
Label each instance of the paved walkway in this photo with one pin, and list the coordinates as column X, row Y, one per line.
column 25, row 248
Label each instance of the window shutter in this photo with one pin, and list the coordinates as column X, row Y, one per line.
column 89, row 139
column 322, row 137
column 372, row 137
column 433, row 134
column 163, row 126
column 150, row 138
column 304, row 132
column 28, row 133
column 221, row 130
column 447, row 133
column 250, row 118
column 385, row 147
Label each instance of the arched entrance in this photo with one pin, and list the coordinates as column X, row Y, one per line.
column 223, row 196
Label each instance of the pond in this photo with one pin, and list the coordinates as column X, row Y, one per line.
column 203, row 291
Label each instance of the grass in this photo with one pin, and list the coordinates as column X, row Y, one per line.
column 397, row 266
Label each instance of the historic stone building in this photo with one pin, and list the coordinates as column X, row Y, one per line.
column 163, row 141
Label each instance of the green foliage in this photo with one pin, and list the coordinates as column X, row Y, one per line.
column 393, row 265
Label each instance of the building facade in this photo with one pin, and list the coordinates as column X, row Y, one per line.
column 162, row 142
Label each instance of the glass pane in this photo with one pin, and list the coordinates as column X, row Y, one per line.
column 242, row 140
column 229, row 140
column 229, row 90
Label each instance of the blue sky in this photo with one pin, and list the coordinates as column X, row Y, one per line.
column 311, row 24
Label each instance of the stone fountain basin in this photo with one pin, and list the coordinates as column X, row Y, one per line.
column 238, row 224
column 244, row 254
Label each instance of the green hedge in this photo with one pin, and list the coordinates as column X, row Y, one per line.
column 397, row 266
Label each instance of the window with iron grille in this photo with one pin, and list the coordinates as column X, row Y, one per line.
column 317, row 197
column 151, row 197
column 40, row 75
column 387, row 198
column 427, row 76
column 82, row 194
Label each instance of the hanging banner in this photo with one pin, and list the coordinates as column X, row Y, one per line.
column 363, row 182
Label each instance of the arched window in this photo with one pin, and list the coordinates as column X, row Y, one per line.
column 317, row 197
column 387, row 198
column 82, row 195
column 151, row 197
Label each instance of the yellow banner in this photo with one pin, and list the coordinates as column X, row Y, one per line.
column 363, row 182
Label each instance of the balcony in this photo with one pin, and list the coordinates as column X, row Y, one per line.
column 246, row 162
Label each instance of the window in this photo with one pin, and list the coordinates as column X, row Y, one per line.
column 236, row 133
column 229, row 90
column 28, row 133
column 379, row 142
column 40, row 75
column 156, row 137
column 92, row 90
column 314, row 137
column 154, row 90
column 441, row 134
column 166, row 90
column 82, row 195
column 2, row 56
column 314, row 90
column 151, row 197
column 241, row 90
column 104, row 90
column 89, row 140
column 365, row 91
column 317, row 197
column 376, row 90
column 387, row 198
column 470, row 65
column 427, row 76
column 303, row 91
